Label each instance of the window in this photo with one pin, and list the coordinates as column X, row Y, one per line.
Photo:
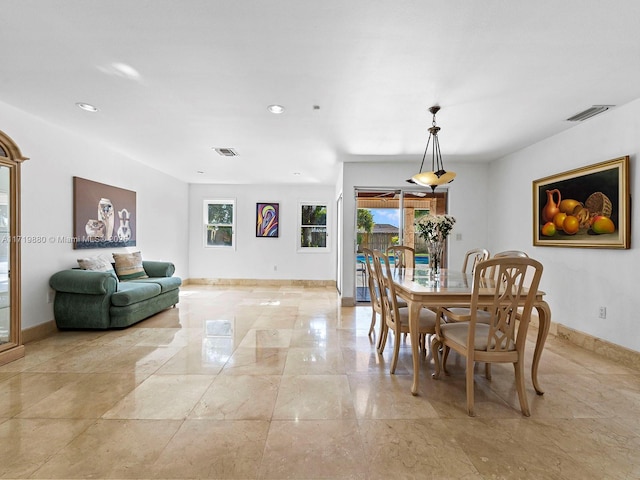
column 313, row 227
column 219, row 223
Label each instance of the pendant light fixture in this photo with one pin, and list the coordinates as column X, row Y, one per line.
column 438, row 175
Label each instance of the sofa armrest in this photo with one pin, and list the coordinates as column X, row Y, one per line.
column 158, row 269
column 83, row 281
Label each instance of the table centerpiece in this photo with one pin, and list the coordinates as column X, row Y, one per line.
column 435, row 229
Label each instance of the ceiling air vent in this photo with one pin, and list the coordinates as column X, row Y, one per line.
column 226, row 152
column 589, row 112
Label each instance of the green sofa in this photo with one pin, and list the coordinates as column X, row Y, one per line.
column 88, row 299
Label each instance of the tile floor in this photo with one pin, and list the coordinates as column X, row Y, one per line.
column 283, row 383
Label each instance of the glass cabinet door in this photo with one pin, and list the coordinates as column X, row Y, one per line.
column 5, row 257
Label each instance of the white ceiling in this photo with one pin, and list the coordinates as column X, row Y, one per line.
column 506, row 73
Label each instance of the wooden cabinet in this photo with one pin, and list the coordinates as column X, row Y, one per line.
column 11, row 347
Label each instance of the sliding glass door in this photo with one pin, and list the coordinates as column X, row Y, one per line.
column 386, row 217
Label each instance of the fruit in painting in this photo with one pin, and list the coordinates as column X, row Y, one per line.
column 583, row 216
column 549, row 229
column 603, row 225
column 558, row 220
column 571, row 225
column 568, row 205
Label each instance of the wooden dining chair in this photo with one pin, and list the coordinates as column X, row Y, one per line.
column 374, row 294
column 471, row 259
column 503, row 338
column 461, row 314
column 376, row 306
column 403, row 255
column 395, row 318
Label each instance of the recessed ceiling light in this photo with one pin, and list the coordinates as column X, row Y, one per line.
column 199, row 171
column 297, row 174
column 277, row 109
column 87, row 107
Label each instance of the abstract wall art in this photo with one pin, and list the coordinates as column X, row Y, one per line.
column 267, row 219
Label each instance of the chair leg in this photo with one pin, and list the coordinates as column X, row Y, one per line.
column 487, row 370
column 445, row 356
column 435, row 349
column 384, row 331
column 396, row 352
column 470, row 386
column 373, row 322
column 522, row 394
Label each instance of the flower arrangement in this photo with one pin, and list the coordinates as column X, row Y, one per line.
column 434, row 228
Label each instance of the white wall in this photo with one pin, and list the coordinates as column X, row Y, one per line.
column 468, row 195
column 577, row 280
column 255, row 258
column 56, row 156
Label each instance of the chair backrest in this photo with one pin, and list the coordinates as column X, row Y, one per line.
column 472, row 258
column 508, row 253
column 507, row 309
column 403, row 255
column 388, row 298
column 372, row 280
column 511, row 253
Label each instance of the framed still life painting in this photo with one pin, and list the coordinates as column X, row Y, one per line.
column 103, row 216
column 586, row 207
column 267, row 219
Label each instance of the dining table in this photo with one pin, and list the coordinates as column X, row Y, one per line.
column 420, row 288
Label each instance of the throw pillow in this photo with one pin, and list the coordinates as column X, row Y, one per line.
column 129, row 266
column 98, row 264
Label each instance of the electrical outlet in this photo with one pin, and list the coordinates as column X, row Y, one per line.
column 50, row 295
column 275, row 268
column 458, row 237
column 603, row 312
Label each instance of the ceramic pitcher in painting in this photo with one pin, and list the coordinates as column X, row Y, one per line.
column 552, row 207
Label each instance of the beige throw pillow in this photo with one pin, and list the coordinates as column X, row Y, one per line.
column 129, row 266
column 97, row 264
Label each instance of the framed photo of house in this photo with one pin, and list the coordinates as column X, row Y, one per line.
column 587, row 207
column 267, row 219
column 103, row 216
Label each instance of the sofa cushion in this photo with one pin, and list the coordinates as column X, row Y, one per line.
column 130, row 293
column 166, row 283
column 129, row 266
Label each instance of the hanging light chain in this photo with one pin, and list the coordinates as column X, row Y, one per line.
column 438, row 175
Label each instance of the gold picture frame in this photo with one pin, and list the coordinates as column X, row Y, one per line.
column 597, row 199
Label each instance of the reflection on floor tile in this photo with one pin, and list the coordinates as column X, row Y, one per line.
column 284, row 383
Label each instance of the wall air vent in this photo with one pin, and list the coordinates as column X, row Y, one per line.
column 589, row 112
column 226, row 152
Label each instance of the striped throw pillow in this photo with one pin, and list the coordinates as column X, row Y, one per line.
column 129, row 266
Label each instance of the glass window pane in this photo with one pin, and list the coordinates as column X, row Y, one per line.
column 314, row 215
column 219, row 236
column 220, row 213
column 313, row 237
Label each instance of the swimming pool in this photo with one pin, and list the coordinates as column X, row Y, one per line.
column 420, row 259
